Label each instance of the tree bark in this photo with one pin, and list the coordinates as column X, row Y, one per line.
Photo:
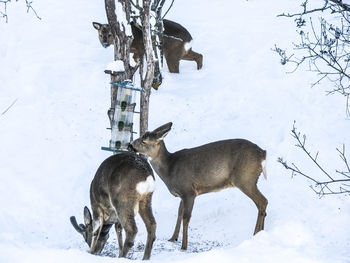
column 147, row 81
column 122, row 43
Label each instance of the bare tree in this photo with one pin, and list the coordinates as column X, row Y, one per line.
column 323, row 46
column 3, row 10
column 139, row 12
column 119, row 28
column 336, row 183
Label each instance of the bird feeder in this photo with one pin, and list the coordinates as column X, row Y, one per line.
column 122, row 121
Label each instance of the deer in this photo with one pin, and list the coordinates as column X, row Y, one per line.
column 176, row 43
column 122, row 187
column 208, row 168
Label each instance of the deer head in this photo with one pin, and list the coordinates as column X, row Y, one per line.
column 151, row 142
column 87, row 231
column 104, row 34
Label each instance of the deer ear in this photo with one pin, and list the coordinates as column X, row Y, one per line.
column 96, row 25
column 87, row 216
column 163, row 136
column 162, row 131
column 80, row 228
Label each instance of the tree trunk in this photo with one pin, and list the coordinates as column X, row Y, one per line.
column 147, row 81
column 122, row 43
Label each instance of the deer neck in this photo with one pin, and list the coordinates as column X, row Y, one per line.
column 160, row 162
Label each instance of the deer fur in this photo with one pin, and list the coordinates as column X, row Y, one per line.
column 176, row 46
column 122, row 187
column 208, row 168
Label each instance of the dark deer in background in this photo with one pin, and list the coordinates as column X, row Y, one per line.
column 208, row 168
column 122, row 187
column 176, row 46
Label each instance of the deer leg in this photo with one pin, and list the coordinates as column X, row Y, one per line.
column 173, row 64
column 178, row 222
column 118, row 230
column 130, row 233
column 125, row 211
column 188, row 206
column 147, row 217
column 194, row 56
column 97, row 227
column 260, row 202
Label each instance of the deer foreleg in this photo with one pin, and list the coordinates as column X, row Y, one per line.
column 178, row 223
column 97, row 227
column 187, row 211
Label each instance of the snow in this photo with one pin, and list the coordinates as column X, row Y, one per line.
column 53, row 72
column 116, row 66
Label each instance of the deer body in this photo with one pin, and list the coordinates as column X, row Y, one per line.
column 122, row 187
column 176, row 44
column 190, row 172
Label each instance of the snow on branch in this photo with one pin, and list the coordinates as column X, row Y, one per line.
column 338, row 183
column 3, row 9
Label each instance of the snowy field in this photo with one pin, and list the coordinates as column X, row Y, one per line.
column 51, row 137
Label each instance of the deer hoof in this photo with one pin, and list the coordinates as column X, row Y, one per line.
column 173, row 239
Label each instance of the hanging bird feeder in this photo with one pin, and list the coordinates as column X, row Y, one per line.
column 122, row 121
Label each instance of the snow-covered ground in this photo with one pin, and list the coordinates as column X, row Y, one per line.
column 51, row 137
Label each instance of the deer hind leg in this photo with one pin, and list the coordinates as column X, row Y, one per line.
column 194, row 56
column 173, row 63
column 118, row 230
column 126, row 217
column 145, row 210
column 173, row 52
column 178, row 222
column 130, row 233
column 260, row 202
column 188, row 203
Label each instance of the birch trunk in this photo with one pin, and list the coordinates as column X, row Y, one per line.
column 147, row 81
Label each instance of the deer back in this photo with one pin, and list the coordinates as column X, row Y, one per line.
column 176, row 30
column 216, row 165
column 117, row 178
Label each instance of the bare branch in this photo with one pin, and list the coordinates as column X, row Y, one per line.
column 3, row 11
column 9, row 107
column 321, row 187
column 325, row 48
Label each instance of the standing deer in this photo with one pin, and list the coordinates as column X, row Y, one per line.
column 176, row 44
column 122, row 187
column 207, row 168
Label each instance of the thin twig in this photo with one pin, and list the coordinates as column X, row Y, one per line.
column 321, row 187
column 9, row 107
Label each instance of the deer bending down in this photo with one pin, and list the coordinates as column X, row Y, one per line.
column 176, row 44
column 122, row 187
column 208, row 168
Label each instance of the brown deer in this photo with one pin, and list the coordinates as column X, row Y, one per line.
column 176, row 44
column 122, row 187
column 207, row 168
